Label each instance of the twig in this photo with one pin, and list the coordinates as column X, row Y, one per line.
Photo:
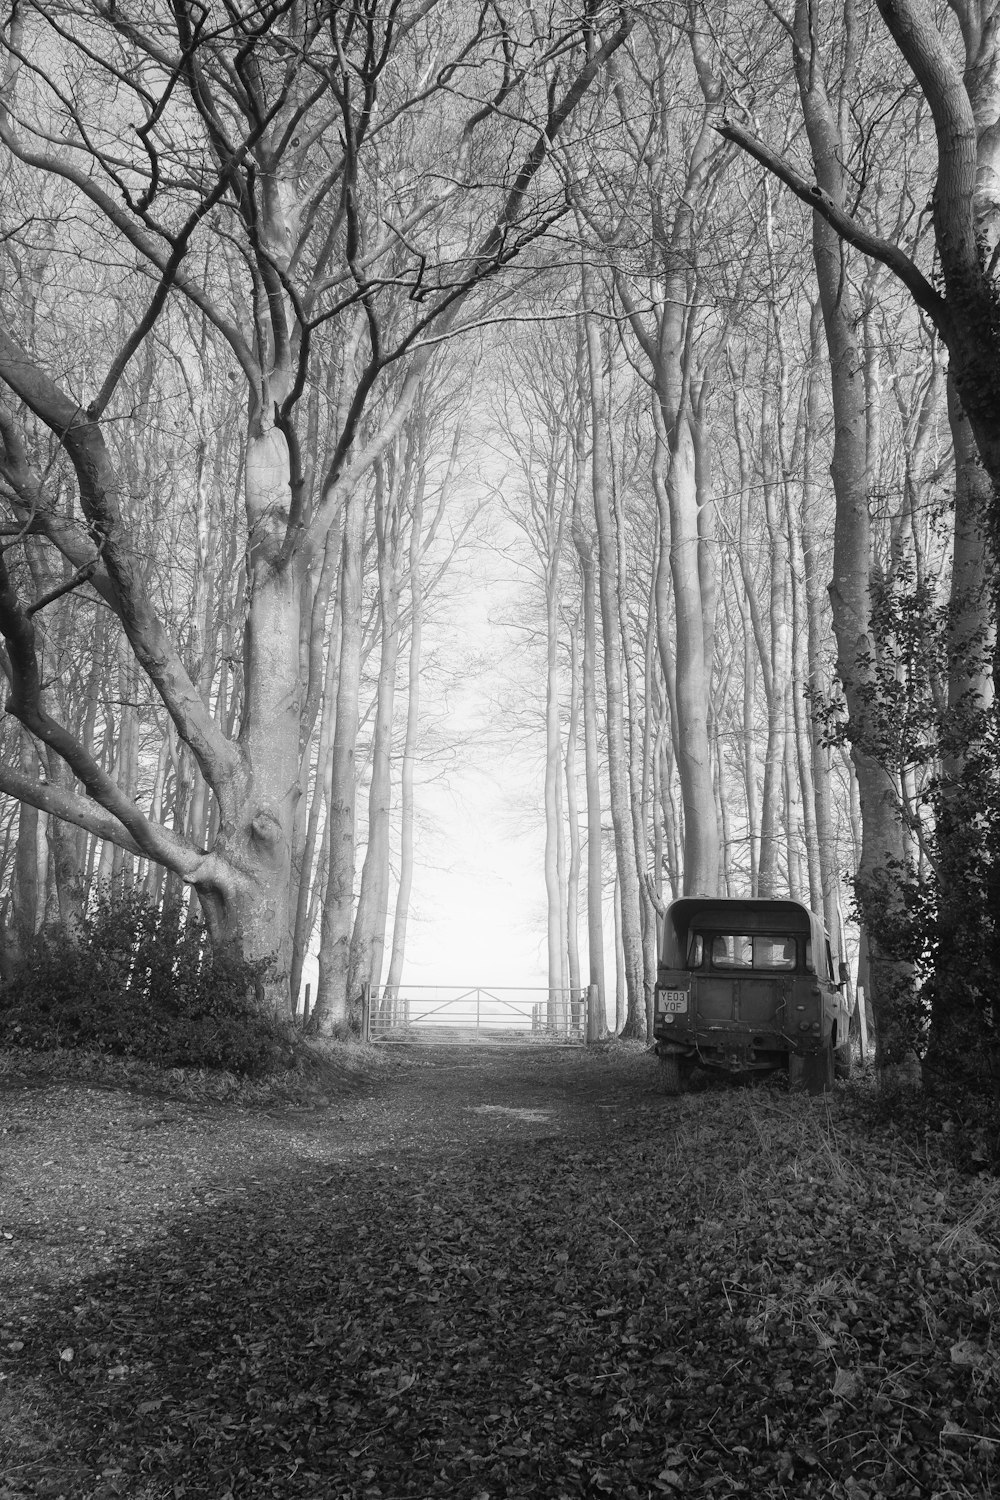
column 624, row 1231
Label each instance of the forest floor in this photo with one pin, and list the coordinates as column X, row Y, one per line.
column 480, row 1274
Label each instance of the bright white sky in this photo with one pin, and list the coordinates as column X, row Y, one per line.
column 478, row 910
column 479, row 897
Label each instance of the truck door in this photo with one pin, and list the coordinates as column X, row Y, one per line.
column 766, row 993
column 728, row 954
column 749, row 983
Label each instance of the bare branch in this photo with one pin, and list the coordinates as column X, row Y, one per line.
column 69, row 806
column 908, row 272
column 127, row 594
column 25, row 703
column 82, row 575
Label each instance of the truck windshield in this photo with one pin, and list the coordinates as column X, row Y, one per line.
column 743, row 951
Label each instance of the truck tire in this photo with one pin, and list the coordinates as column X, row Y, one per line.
column 842, row 1061
column 819, row 1074
column 813, row 1072
column 672, row 1075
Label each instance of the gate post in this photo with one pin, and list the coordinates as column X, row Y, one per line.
column 593, row 1001
column 366, row 1011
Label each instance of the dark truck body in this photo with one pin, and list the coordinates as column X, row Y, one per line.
column 749, row 986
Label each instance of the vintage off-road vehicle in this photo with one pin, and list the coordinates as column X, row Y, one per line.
column 748, row 986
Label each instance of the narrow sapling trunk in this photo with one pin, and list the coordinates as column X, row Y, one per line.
column 592, row 775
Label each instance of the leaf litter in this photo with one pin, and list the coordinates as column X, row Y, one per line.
column 740, row 1292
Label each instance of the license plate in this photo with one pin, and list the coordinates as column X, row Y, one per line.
column 672, row 1002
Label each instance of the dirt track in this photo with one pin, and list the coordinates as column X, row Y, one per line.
column 489, row 1274
column 88, row 1172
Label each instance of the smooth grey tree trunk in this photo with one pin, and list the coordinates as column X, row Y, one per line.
column 333, row 1002
column 592, row 773
column 850, row 591
column 368, row 934
column 618, row 769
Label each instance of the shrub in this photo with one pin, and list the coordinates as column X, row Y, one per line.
column 137, row 980
column 939, row 910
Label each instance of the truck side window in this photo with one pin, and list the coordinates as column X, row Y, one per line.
column 696, row 950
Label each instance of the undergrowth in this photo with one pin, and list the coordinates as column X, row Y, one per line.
column 138, row 981
column 962, row 1124
column 317, row 1071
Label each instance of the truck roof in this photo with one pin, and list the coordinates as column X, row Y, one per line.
column 735, row 914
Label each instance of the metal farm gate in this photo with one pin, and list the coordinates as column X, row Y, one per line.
column 453, row 1015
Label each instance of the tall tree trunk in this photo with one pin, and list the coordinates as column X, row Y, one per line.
column 621, row 815
column 774, row 461
column 302, row 929
column 409, row 756
column 66, row 850
column 816, row 634
column 850, row 593
column 573, row 818
column 592, row 771
column 333, row 1003
column 249, row 900
column 677, row 497
column 554, row 873
column 25, row 892
column 954, row 1047
column 636, row 771
column 368, row 935
column 621, row 972
column 680, row 470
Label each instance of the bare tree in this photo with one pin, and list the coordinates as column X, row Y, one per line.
column 278, row 171
column 959, row 86
column 630, row 892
